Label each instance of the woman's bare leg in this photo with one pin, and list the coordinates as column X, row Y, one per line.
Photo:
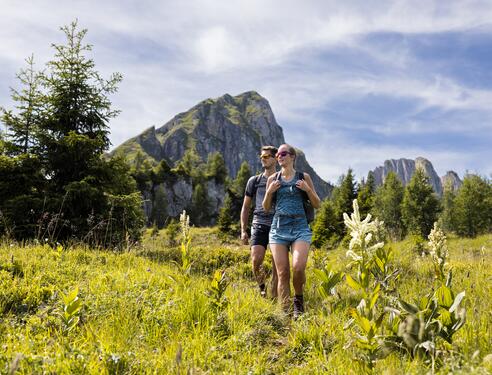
column 281, row 259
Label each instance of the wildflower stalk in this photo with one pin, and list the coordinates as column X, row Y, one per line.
column 184, row 220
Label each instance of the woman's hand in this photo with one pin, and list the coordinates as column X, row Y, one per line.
column 303, row 185
column 274, row 186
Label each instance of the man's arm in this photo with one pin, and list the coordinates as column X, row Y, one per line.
column 244, row 219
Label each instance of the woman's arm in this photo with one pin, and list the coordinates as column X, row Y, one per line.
column 271, row 187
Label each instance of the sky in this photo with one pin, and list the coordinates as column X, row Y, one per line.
column 352, row 83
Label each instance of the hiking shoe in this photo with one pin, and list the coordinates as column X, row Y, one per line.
column 263, row 292
column 298, row 307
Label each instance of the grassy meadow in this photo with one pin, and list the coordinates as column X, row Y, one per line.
column 140, row 312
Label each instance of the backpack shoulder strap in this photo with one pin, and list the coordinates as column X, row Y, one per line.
column 300, row 175
column 256, row 183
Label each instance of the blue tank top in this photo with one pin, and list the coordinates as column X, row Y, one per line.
column 289, row 199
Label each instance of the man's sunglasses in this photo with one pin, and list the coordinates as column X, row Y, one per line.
column 266, row 156
column 283, row 154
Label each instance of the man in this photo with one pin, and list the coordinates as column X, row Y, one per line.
column 255, row 190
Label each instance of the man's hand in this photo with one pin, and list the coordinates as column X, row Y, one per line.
column 244, row 237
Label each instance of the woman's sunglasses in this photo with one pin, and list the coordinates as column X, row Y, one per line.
column 283, row 154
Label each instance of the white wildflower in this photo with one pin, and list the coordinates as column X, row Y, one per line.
column 362, row 233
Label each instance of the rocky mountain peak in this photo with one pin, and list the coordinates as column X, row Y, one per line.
column 235, row 126
column 405, row 168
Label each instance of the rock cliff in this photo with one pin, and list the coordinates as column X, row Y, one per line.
column 236, row 127
column 405, row 168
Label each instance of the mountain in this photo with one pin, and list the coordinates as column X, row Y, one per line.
column 235, row 126
column 452, row 179
column 405, row 168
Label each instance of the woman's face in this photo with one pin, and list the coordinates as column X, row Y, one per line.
column 284, row 157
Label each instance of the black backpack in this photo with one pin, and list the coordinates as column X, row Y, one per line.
column 308, row 207
column 256, row 183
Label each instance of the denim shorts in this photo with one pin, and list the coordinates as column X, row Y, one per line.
column 259, row 235
column 287, row 230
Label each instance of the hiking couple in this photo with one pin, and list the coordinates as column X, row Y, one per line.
column 279, row 219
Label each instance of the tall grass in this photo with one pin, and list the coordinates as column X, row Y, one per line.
column 140, row 314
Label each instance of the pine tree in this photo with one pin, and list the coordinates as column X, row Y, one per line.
column 324, row 226
column 420, row 206
column 23, row 125
column 229, row 214
column 365, row 196
column 387, row 206
column 200, row 212
column 343, row 197
column 216, row 167
column 242, row 177
column 473, row 207
column 191, row 164
column 85, row 188
column 226, row 220
column 159, row 207
column 447, row 217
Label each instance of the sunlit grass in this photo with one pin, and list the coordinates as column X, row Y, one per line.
column 141, row 315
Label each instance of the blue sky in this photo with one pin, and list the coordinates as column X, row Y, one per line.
column 351, row 83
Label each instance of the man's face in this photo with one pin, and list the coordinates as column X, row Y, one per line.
column 267, row 159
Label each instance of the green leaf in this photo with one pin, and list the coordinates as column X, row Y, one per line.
column 352, row 283
column 444, row 296
column 73, row 307
column 374, row 298
column 321, row 275
column 408, row 307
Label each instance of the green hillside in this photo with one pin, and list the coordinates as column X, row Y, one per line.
column 141, row 313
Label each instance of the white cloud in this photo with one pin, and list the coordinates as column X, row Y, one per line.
column 204, row 48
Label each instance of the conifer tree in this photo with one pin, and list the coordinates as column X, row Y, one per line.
column 420, row 206
column 447, row 217
column 325, row 225
column 23, row 125
column 387, row 206
column 226, row 220
column 216, row 167
column 159, row 207
column 85, row 196
column 229, row 214
column 343, row 197
column 365, row 195
column 200, row 212
column 473, row 207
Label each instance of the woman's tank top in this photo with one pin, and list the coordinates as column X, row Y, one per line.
column 289, row 199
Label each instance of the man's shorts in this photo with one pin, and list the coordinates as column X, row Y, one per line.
column 286, row 230
column 259, row 235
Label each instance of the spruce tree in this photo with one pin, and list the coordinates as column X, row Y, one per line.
column 226, row 221
column 229, row 214
column 343, row 197
column 22, row 126
column 387, row 206
column 420, row 206
column 216, row 167
column 159, row 207
column 88, row 191
column 325, row 226
column 447, row 217
column 200, row 212
column 365, row 195
column 473, row 207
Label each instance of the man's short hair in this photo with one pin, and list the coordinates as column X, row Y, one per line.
column 273, row 150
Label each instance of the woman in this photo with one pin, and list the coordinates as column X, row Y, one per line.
column 289, row 226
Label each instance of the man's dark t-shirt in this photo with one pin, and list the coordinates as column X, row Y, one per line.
column 259, row 214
